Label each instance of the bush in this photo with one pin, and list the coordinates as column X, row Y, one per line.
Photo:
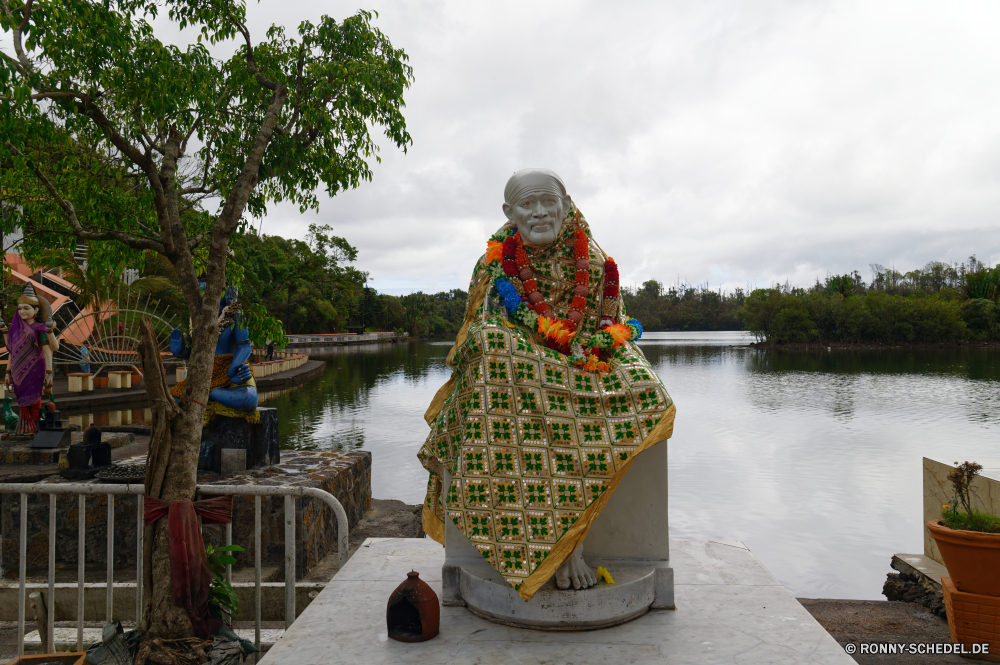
column 875, row 317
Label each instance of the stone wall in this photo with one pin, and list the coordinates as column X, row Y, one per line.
column 345, row 475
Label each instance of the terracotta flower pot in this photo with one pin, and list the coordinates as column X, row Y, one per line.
column 972, row 558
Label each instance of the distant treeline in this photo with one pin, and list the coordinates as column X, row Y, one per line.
column 683, row 307
column 309, row 286
column 941, row 303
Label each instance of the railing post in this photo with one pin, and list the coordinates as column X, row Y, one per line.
column 229, row 541
column 22, row 574
column 81, row 552
column 109, row 597
column 140, row 537
column 256, row 574
column 289, row 560
column 50, row 627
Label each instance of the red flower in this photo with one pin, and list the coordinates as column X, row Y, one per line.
column 509, row 267
column 579, row 303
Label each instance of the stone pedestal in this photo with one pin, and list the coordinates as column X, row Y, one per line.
column 51, row 433
column 260, row 441
column 80, row 382
column 120, row 379
column 629, row 538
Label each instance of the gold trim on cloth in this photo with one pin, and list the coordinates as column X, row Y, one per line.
column 535, row 446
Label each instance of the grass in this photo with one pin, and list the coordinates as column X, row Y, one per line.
column 974, row 521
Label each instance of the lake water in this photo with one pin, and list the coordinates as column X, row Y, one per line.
column 812, row 459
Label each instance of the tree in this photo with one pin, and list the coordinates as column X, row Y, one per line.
column 132, row 128
column 303, row 283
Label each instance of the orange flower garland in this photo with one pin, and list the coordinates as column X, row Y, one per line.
column 516, row 266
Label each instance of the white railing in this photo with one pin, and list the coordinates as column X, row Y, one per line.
column 85, row 489
column 337, row 338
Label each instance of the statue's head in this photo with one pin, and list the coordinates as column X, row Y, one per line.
column 536, row 201
column 30, row 305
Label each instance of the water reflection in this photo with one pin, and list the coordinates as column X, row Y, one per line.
column 369, row 397
column 812, row 459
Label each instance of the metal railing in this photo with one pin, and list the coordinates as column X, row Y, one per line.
column 86, row 489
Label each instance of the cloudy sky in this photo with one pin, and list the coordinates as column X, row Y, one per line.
column 736, row 143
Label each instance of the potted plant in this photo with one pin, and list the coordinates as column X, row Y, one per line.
column 969, row 540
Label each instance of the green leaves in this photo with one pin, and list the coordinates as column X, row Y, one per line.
column 222, row 600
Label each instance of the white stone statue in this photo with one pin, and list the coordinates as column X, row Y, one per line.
column 550, row 404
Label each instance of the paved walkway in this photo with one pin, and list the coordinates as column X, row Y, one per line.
column 130, row 396
column 730, row 609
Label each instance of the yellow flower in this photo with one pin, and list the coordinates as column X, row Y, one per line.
column 603, row 573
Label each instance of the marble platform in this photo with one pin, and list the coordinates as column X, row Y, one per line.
column 730, row 609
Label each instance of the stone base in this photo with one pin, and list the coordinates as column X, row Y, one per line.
column 22, row 453
column 730, row 611
column 260, row 440
column 631, row 596
column 918, row 581
column 51, row 438
column 82, row 474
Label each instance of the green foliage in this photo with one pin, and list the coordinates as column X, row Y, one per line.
column 874, row 317
column 983, row 284
column 960, row 514
column 683, row 307
column 974, row 521
column 99, row 115
column 303, row 285
column 222, row 600
column 983, row 317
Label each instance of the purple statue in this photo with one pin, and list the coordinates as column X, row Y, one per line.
column 30, row 344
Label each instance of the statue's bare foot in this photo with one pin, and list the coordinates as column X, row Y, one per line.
column 575, row 572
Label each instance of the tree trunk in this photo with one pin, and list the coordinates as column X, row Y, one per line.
column 171, row 473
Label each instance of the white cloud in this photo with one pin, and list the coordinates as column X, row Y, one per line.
column 731, row 142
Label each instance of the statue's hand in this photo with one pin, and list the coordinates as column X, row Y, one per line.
column 177, row 343
column 240, row 373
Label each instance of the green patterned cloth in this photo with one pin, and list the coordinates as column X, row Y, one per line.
column 535, row 446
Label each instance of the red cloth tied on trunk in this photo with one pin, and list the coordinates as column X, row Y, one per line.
column 190, row 574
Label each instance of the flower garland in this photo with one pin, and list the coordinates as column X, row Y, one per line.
column 514, row 282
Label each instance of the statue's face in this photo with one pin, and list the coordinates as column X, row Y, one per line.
column 539, row 216
column 27, row 312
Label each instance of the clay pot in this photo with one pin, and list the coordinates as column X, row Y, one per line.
column 972, row 558
column 413, row 613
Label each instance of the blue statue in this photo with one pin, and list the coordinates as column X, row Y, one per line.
column 233, row 391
